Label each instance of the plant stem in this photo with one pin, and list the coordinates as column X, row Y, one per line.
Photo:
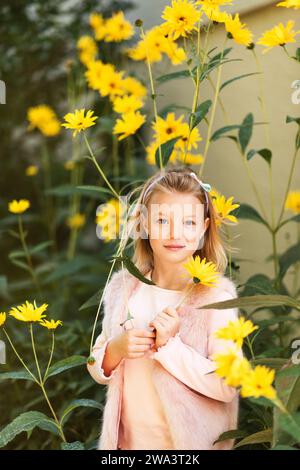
column 28, row 256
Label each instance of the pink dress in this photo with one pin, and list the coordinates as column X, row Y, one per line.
column 142, row 423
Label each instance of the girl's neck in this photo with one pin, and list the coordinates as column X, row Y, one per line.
column 170, row 279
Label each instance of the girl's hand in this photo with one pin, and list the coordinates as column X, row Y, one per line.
column 134, row 343
column 166, row 324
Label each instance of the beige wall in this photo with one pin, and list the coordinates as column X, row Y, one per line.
column 224, row 168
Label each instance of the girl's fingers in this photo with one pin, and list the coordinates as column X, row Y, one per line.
column 139, row 348
column 143, row 333
column 139, row 340
column 170, row 311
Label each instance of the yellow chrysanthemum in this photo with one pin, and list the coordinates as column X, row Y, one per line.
column 223, row 208
column 110, row 219
column 2, row 318
column 79, row 121
column 93, row 73
column 87, row 49
column 111, row 82
column 51, row 325
column 98, row 24
column 18, row 207
column 181, row 18
column 127, row 104
column 31, row 170
column 117, row 28
column 231, row 367
column 201, row 271
column 28, row 312
column 236, row 330
column 292, row 202
column 237, row 30
column 76, row 221
column 128, row 124
column 278, row 36
column 134, row 87
column 44, row 119
column 214, row 13
column 258, row 383
column 168, row 128
column 290, row 4
column 151, row 151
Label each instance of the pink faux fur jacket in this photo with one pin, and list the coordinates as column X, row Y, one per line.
column 195, row 420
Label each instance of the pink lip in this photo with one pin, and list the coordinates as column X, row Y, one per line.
column 174, row 246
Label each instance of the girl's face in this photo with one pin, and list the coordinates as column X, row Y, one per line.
column 175, row 224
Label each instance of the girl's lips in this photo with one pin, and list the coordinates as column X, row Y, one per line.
column 173, row 247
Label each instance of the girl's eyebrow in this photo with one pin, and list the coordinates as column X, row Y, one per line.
column 191, row 215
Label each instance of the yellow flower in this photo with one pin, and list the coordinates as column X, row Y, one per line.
column 292, row 202
column 128, row 124
column 189, row 158
column 111, row 82
column 18, row 207
column 79, row 121
column 2, row 318
column 43, row 118
column 237, row 30
column 201, row 271
column 151, row 151
column 28, row 312
column 180, row 18
column 69, row 165
column 154, row 44
column 223, row 208
column 134, row 87
column 127, row 104
column 258, row 383
column 169, row 128
column 188, row 140
column 110, row 218
column 98, row 24
column 117, row 28
column 214, row 13
column 76, row 221
column 31, row 170
column 236, row 330
column 214, row 193
column 93, row 73
column 278, row 36
column 51, row 325
column 231, row 367
column 290, row 4
column 87, row 49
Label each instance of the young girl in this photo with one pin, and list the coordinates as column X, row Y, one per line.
column 162, row 390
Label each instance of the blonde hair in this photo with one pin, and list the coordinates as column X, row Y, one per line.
column 177, row 179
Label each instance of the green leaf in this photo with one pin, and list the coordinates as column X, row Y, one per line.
column 290, row 371
column 95, row 192
column 67, row 268
column 228, row 82
column 293, row 119
column 295, row 218
column 166, row 151
column 66, row 364
column 245, row 131
column 287, row 259
column 133, row 269
column 291, row 425
column 200, row 113
column 4, row 287
column 76, row 445
column 255, row 301
column 79, row 403
column 233, row 434
column 19, row 263
column 24, row 422
column 265, row 153
column 172, row 76
column 245, row 211
column 283, row 447
column 273, row 362
column 16, row 375
column 208, row 68
column 92, row 301
column 256, row 438
column 220, row 132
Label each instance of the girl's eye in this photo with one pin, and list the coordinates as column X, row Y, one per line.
column 192, row 222
column 161, row 219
